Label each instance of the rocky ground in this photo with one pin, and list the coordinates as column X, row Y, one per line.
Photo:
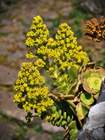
column 14, row 24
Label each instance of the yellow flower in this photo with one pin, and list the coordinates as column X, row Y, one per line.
column 38, row 33
column 30, row 55
column 39, row 63
column 30, row 42
column 52, row 60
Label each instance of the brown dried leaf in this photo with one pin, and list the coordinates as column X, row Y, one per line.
column 95, row 29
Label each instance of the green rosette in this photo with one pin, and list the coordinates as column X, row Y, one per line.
column 91, row 80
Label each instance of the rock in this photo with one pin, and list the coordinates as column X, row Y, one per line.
column 93, row 48
column 94, row 6
column 102, row 91
column 60, row 4
column 7, row 75
column 3, row 50
column 96, row 117
column 8, row 107
column 43, row 136
column 96, row 134
column 16, row 56
column 3, row 59
column 65, row 12
column 50, row 128
column 8, row 131
column 94, row 129
column 50, row 15
column 49, row 24
column 32, row 135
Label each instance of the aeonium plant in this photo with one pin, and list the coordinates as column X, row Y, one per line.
column 57, row 83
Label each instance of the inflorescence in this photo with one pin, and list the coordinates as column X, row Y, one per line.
column 53, row 65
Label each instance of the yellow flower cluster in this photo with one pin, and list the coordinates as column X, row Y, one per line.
column 31, row 92
column 30, row 55
column 62, row 54
column 38, row 33
column 57, row 57
column 72, row 53
column 39, row 63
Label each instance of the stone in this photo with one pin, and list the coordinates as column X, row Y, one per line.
column 43, row 136
column 3, row 50
column 16, row 55
column 49, row 24
column 93, row 48
column 96, row 134
column 7, row 75
column 8, row 107
column 102, row 91
column 94, row 6
column 32, row 135
column 96, row 116
column 94, row 129
column 65, row 11
column 50, row 15
column 8, row 131
column 50, row 128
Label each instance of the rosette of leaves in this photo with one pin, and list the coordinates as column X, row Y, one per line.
column 88, row 90
column 91, row 80
column 46, row 84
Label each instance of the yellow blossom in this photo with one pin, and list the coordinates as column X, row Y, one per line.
column 53, row 60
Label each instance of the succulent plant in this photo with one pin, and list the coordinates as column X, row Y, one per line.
column 56, row 84
column 91, row 79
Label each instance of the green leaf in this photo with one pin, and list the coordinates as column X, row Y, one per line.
column 64, row 115
column 91, row 80
column 87, row 98
column 68, row 119
column 72, row 73
column 81, row 111
column 73, row 133
column 73, row 130
column 64, row 123
column 60, row 112
column 72, row 125
column 59, row 122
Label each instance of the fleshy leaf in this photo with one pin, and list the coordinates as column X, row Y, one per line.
column 81, row 111
column 73, row 130
column 87, row 98
column 91, row 80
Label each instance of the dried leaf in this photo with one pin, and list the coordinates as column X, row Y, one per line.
column 95, row 29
